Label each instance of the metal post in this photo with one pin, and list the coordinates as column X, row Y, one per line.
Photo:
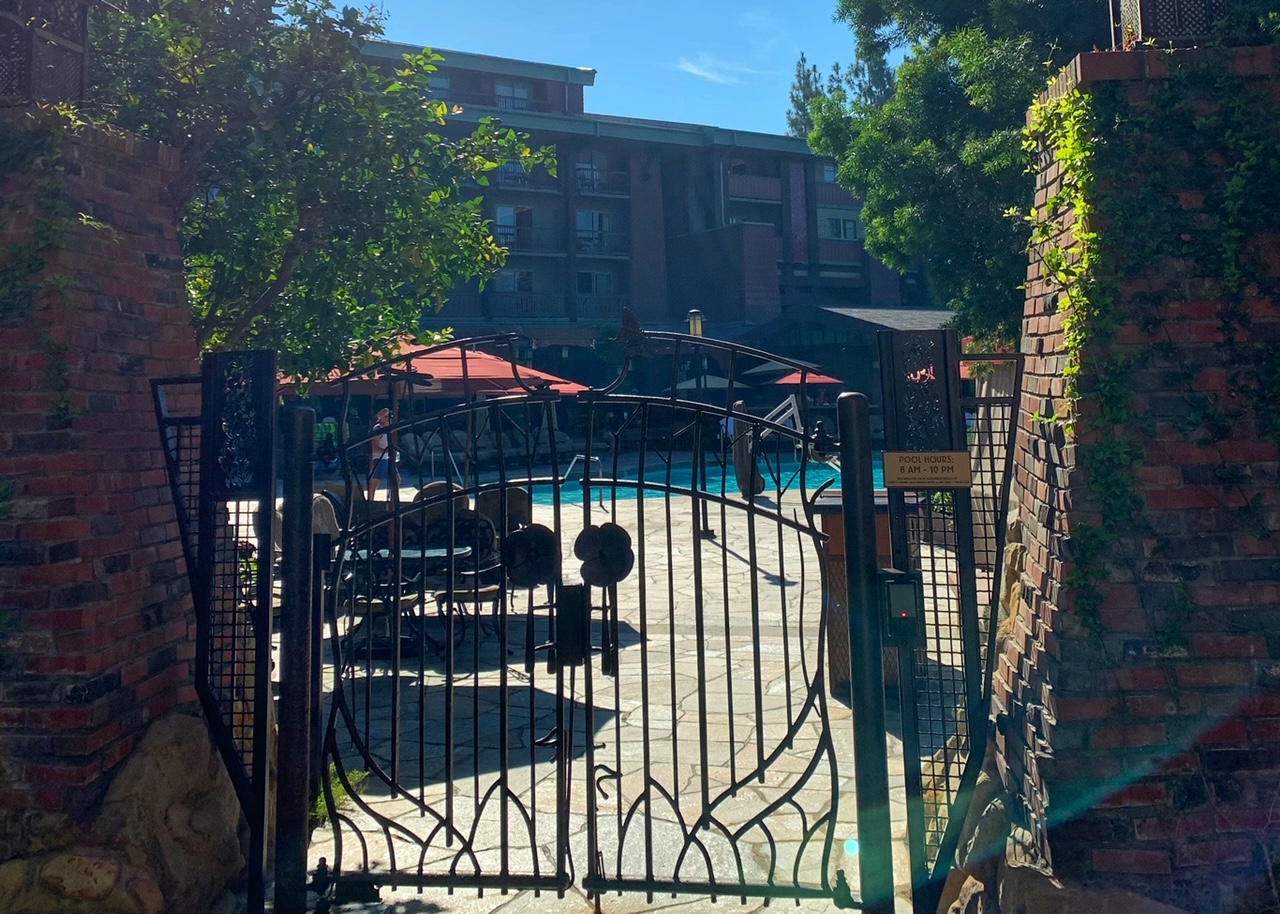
column 870, row 745
column 322, row 554
column 293, row 792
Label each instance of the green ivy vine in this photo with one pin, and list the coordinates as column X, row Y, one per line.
column 1164, row 203
column 33, row 153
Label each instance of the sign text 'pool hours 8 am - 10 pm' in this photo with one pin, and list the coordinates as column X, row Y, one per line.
column 927, row 470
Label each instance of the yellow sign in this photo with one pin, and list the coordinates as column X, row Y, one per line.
column 927, row 470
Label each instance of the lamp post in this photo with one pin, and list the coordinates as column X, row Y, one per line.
column 695, row 330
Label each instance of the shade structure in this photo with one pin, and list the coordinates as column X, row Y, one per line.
column 450, row 372
column 707, row 382
column 812, row 377
column 462, row 372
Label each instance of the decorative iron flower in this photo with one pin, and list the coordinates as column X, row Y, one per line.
column 531, row 556
column 606, row 553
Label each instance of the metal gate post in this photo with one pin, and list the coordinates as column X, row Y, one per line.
column 870, row 732
column 293, row 793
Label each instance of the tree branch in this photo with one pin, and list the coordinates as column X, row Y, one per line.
column 262, row 304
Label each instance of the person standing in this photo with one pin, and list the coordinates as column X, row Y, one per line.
column 379, row 452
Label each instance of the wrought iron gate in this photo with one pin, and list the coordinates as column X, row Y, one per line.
column 939, row 399
column 217, row 434
column 573, row 642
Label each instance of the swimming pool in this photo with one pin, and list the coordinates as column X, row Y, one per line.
column 785, row 476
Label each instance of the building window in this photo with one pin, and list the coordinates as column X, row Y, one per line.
column 846, row 229
column 439, row 85
column 595, row 283
column 513, row 281
column 511, row 96
column 830, row 173
column 842, row 224
column 514, row 225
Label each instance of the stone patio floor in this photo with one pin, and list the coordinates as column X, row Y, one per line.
column 652, row 700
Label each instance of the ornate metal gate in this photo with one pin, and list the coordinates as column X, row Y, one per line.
column 951, row 538
column 573, row 642
column 217, row 434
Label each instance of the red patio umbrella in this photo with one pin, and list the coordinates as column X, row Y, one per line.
column 811, row 377
column 450, row 372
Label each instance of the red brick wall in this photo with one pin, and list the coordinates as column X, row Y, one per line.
column 1133, row 763
column 91, row 572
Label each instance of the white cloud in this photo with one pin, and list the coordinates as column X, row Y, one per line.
column 720, row 72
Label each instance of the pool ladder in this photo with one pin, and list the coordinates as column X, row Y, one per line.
column 595, row 463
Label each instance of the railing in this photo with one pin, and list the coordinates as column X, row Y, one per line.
column 461, row 304
column 604, row 244
column 592, row 181
column 489, row 100
column 837, row 250
column 518, row 179
column 606, row 307
column 528, row 239
column 755, row 187
column 524, row 304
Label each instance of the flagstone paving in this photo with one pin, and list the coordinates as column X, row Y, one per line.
column 646, row 726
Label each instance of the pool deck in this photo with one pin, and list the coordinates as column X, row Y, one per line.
column 673, row 663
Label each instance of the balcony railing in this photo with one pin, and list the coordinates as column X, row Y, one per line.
column 836, row 250
column 489, row 100
column 519, row 179
column 755, row 187
column 461, row 304
column 604, row 244
column 528, row 240
column 524, row 304
column 601, row 307
column 592, row 181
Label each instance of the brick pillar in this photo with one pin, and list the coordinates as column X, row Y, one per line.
column 100, row 638
column 1146, row 755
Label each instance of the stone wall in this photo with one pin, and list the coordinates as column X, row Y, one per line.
column 100, row 632
column 1140, row 740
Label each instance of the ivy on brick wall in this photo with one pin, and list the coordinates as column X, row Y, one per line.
column 1165, row 205
column 32, row 154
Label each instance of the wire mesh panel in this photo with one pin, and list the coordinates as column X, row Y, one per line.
column 938, row 400
column 177, row 405
column 575, row 641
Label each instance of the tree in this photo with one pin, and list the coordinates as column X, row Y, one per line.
column 322, row 205
column 868, row 79
column 938, row 165
column 806, row 86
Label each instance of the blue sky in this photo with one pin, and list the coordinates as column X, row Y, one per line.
column 701, row 61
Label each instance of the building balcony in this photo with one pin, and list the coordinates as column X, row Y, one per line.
column 836, row 250
column 489, row 100
column 603, row 183
column 518, row 179
column 463, row 303
column 604, row 244
column 834, row 194
column 754, row 187
column 600, row 307
column 521, row 239
column 523, row 305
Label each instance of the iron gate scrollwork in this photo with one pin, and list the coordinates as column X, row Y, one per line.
column 566, row 649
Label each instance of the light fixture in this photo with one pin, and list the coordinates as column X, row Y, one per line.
column 695, row 322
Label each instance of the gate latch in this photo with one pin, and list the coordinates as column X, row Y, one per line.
column 902, row 599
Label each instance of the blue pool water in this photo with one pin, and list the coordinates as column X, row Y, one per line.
column 785, row 476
